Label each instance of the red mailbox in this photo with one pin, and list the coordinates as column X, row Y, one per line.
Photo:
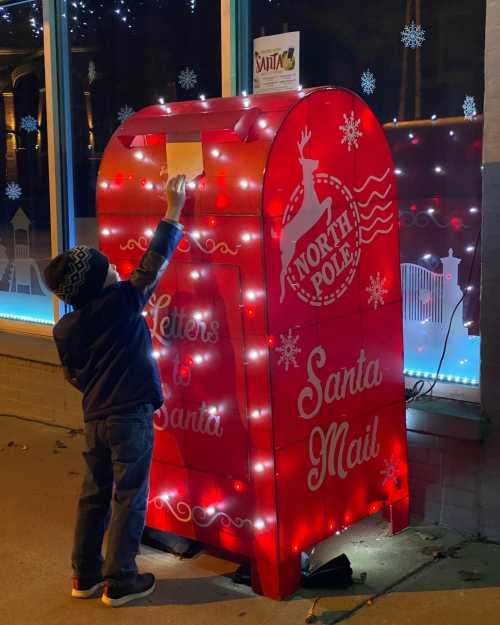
column 277, row 327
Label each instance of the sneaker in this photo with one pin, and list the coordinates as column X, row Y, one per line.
column 85, row 588
column 121, row 594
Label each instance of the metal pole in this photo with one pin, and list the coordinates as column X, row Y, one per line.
column 418, row 66
column 404, row 70
column 57, row 58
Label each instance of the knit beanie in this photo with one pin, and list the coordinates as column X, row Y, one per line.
column 78, row 275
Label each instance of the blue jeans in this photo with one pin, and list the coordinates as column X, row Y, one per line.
column 119, row 450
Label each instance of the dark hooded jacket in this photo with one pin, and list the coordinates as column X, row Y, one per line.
column 105, row 346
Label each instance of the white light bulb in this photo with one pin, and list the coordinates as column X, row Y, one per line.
column 469, row 288
column 244, row 184
column 398, row 171
column 427, row 256
column 473, row 209
column 246, row 237
column 451, row 133
column 165, row 497
column 139, row 155
column 212, row 410
column 198, row 316
column 244, row 93
column 195, row 275
column 258, row 467
column 253, row 354
column 148, row 232
column 259, row 524
column 394, row 120
column 431, row 211
column 299, row 88
column 434, row 117
column 161, row 101
column 255, row 414
column 467, row 324
column 215, row 153
column 196, row 234
column 246, row 103
column 410, row 135
column 169, row 110
column 211, row 510
column 262, row 123
column 104, row 185
column 251, row 295
column 198, row 359
column 144, row 313
column 156, row 354
column 106, row 232
column 469, row 249
column 149, row 186
column 202, row 97
column 192, row 184
column 438, row 169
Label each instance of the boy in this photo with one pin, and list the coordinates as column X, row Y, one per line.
column 106, row 351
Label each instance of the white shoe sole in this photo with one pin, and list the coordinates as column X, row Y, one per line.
column 86, row 594
column 116, row 603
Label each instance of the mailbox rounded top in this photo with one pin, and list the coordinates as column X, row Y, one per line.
column 239, row 153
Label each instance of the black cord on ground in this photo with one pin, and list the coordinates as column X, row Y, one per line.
column 40, row 422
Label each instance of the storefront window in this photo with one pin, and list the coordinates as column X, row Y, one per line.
column 125, row 56
column 25, row 242
column 420, row 66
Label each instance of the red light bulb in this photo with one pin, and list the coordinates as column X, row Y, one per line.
column 212, row 221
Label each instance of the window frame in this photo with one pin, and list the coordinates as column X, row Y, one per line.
column 59, row 126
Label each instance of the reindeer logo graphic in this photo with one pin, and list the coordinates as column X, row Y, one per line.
column 309, row 213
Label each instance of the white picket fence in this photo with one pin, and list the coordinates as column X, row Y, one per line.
column 422, row 292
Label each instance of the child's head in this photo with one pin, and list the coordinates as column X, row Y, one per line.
column 79, row 275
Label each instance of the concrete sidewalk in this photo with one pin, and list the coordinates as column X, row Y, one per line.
column 408, row 582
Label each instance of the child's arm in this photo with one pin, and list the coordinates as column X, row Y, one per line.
column 166, row 238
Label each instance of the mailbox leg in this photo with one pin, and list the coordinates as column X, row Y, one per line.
column 398, row 515
column 276, row 580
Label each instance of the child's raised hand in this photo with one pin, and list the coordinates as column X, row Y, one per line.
column 176, row 197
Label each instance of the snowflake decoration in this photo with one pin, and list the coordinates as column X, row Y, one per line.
column 376, row 291
column 391, row 470
column 413, row 36
column 368, row 82
column 351, row 131
column 92, row 74
column 13, row 191
column 288, row 350
column 469, row 107
column 125, row 112
column 29, row 124
column 5, row 16
column 188, row 78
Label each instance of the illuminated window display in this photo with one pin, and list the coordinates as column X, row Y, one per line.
column 420, row 66
column 24, row 200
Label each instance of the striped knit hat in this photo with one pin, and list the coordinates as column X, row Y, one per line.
column 78, row 275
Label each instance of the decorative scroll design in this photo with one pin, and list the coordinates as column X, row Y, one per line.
column 184, row 513
column 209, row 246
column 408, row 219
column 141, row 243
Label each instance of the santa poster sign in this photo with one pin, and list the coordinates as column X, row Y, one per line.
column 276, row 63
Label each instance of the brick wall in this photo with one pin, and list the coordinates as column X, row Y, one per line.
column 445, row 480
column 38, row 390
